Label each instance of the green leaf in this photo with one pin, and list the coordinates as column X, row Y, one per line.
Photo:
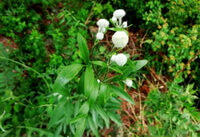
column 103, row 114
column 116, row 69
column 137, row 65
column 94, row 92
column 100, row 63
column 92, row 126
column 83, row 48
column 80, row 86
column 67, row 74
column 126, row 72
column 58, row 113
column 104, row 94
column 84, row 108
column 94, row 116
column 115, row 118
column 121, row 93
column 140, row 64
column 117, row 29
column 77, row 118
column 103, row 64
column 89, row 81
column 80, row 127
column 112, row 106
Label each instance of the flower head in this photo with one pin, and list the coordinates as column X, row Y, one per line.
column 120, row 59
column 102, row 23
column 99, row 36
column 125, row 24
column 120, row 13
column 128, row 82
column 120, row 39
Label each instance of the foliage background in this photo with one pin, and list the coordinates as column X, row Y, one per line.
column 38, row 38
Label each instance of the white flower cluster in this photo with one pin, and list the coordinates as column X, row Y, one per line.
column 128, row 82
column 120, row 38
column 117, row 18
column 102, row 24
column 120, row 59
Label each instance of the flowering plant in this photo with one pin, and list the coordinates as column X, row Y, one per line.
column 95, row 99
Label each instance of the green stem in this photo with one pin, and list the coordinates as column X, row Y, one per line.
column 92, row 56
column 27, row 67
column 108, row 63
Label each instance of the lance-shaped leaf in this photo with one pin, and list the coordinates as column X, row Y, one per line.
column 121, row 93
column 83, row 48
column 88, row 81
column 137, row 65
column 115, row 118
column 92, row 126
column 103, row 114
column 67, row 74
column 80, row 127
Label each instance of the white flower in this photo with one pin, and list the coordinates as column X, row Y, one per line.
column 128, row 82
column 99, row 36
column 114, row 19
column 125, row 24
column 120, row 13
column 120, row 59
column 102, row 23
column 120, row 39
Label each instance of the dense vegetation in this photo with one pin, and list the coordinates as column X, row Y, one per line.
column 57, row 78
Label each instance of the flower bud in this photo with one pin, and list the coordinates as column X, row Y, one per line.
column 128, row 82
column 125, row 24
column 114, row 19
column 120, row 39
column 102, row 23
column 119, row 13
column 99, row 36
column 120, row 59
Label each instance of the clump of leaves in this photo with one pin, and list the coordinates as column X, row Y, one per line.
column 172, row 113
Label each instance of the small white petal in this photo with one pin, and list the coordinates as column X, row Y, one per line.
column 98, row 81
column 120, row 59
column 128, row 82
column 125, row 24
column 99, row 36
column 120, row 39
column 102, row 23
column 120, row 13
